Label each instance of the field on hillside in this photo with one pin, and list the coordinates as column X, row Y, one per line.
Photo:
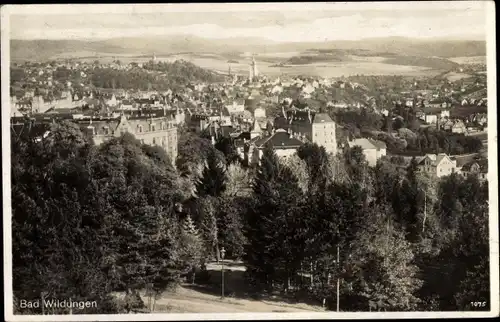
column 356, row 65
column 469, row 60
column 321, row 69
column 454, row 76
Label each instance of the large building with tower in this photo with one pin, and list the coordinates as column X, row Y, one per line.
column 309, row 125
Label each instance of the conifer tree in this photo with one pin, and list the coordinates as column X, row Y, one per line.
column 213, row 179
column 317, row 162
column 191, row 248
column 270, row 253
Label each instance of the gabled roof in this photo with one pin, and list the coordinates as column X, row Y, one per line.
column 368, row 144
column 483, row 165
column 279, row 140
column 435, row 159
column 321, row 118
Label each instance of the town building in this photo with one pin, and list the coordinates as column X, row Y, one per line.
column 314, row 127
column 283, row 144
column 41, row 105
column 476, row 168
column 437, row 165
column 459, row 127
column 149, row 129
column 155, row 131
column 373, row 150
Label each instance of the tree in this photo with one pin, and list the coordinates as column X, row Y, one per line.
column 300, row 169
column 317, row 163
column 230, row 224
column 238, row 181
column 462, row 243
column 226, row 146
column 96, row 219
column 386, row 276
column 54, row 224
column 208, row 207
column 269, row 250
column 213, row 179
column 191, row 248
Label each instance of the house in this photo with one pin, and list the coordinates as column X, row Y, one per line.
column 430, row 118
column 112, row 101
column 458, row 127
column 338, row 104
column 373, row 150
column 276, row 90
column 447, row 124
column 384, row 112
column 437, row 165
column 438, row 103
column 480, row 118
column 473, row 128
column 307, row 89
column 259, row 113
column 283, row 144
column 477, row 168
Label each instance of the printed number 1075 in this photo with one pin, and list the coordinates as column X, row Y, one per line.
column 478, row 304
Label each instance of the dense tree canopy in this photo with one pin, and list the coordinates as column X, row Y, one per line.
column 120, row 217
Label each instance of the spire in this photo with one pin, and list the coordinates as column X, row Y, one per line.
column 256, row 127
column 256, row 130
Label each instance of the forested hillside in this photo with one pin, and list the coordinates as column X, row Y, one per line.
column 119, row 217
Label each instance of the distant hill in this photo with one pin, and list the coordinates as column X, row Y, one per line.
column 47, row 49
column 430, row 62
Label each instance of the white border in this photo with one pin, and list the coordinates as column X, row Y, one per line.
column 489, row 7
column 237, row 7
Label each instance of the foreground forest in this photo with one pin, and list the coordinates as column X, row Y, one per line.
column 89, row 222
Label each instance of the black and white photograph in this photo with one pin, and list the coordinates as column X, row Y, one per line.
column 249, row 161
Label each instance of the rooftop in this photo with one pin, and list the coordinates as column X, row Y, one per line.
column 279, row 140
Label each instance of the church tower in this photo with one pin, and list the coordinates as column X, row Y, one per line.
column 253, row 69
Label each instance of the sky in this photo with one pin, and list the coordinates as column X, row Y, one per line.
column 292, row 22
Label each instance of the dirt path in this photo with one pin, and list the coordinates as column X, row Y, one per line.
column 186, row 300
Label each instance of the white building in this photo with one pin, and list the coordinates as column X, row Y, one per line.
column 373, row 150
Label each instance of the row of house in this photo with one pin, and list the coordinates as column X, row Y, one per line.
column 440, row 165
column 156, row 129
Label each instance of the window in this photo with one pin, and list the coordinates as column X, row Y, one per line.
column 163, row 125
column 154, row 141
column 105, row 130
column 142, row 141
column 152, row 127
column 140, row 128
